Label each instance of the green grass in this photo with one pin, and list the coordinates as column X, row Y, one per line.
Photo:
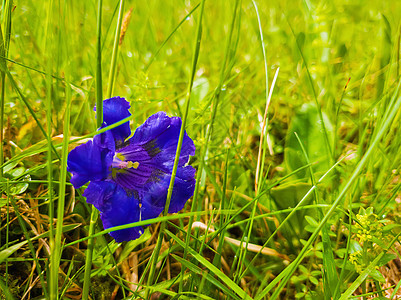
column 294, row 107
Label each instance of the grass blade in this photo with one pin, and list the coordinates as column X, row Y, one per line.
column 114, row 56
column 53, row 275
column 99, row 122
column 156, row 251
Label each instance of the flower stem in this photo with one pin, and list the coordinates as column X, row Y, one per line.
column 156, row 251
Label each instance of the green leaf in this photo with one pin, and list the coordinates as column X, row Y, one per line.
column 288, row 196
column 386, row 258
column 376, row 275
column 311, row 221
column 199, row 90
column 14, row 174
column 131, row 245
column 10, row 250
column 19, row 188
column 3, row 202
column 390, row 227
column 355, row 246
column 10, row 165
column 329, row 265
column 306, row 123
column 314, row 280
column 17, row 172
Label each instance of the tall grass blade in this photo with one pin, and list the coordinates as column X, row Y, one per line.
column 56, row 255
column 114, row 56
column 215, row 102
column 53, row 274
column 4, row 47
column 156, row 251
column 258, row 164
column 99, row 86
column 99, row 122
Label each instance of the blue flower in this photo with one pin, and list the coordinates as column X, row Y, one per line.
column 129, row 178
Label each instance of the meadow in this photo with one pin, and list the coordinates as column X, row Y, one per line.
column 293, row 107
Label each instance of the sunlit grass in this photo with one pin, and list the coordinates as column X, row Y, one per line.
column 285, row 160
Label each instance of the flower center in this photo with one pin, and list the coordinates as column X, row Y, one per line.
column 120, row 164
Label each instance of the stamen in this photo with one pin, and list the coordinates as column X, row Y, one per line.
column 120, row 162
column 120, row 156
column 134, row 165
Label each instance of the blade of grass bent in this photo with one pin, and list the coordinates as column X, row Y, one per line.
column 60, row 79
column 156, row 251
column 144, row 223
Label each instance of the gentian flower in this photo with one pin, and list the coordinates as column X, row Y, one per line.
column 129, row 178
